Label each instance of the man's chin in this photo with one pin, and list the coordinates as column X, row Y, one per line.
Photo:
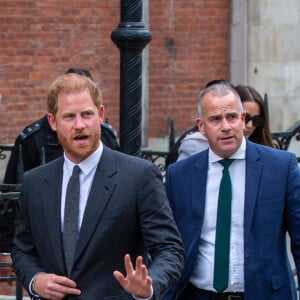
column 227, row 149
column 79, row 154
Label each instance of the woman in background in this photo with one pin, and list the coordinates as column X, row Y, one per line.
column 257, row 127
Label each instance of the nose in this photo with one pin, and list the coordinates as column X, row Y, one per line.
column 225, row 124
column 79, row 122
column 249, row 123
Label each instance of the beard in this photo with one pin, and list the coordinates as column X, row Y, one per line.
column 77, row 152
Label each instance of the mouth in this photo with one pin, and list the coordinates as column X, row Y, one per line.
column 227, row 138
column 81, row 138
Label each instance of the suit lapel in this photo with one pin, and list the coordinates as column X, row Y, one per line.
column 199, row 179
column 253, row 174
column 194, row 222
column 101, row 190
column 52, row 208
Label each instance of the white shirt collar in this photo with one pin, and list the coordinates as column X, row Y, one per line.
column 87, row 164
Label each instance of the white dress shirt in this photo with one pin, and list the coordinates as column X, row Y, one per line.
column 88, row 169
column 203, row 273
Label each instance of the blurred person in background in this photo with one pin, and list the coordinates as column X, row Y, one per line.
column 257, row 127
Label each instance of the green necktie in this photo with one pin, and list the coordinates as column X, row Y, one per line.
column 221, row 269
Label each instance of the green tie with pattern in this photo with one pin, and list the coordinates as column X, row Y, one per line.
column 221, row 269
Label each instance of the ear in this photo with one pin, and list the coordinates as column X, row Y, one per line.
column 52, row 122
column 101, row 113
column 200, row 124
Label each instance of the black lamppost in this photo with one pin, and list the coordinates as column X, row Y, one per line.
column 131, row 37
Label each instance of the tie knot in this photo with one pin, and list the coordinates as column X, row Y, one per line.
column 226, row 162
column 76, row 170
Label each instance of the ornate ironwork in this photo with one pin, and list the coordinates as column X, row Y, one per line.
column 2, row 155
column 9, row 215
column 158, row 158
column 282, row 139
column 3, row 149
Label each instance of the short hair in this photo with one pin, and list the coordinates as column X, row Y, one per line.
column 218, row 89
column 69, row 83
column 220, row 81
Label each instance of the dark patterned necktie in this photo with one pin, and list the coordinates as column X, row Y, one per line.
column 71, row 216
column 221, row 269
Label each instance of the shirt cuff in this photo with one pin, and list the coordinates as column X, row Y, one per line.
column 32, row 292
column 144, row 298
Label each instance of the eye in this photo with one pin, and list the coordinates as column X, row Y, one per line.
column 215, row 118
column 68, row 116
column 87, row 114
column 232, row 117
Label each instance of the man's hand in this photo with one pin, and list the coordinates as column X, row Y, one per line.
column 137, row 281
column 54, row 287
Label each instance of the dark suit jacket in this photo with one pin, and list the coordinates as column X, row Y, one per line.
column 127, row 212
column 272, row 207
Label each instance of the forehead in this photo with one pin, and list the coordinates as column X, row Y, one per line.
column 75, row 97
column 220, row 104
column 251, row 106
column 73, row 102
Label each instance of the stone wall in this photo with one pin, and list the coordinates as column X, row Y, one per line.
column 265, row 54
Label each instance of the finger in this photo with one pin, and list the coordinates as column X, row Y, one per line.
column 138, row 265
column 149, row 280
column 70, row 291
column 128, row 264
column 56, row 295
column 63, row 287
column 65, row 281
column 144, row 272
column 120, row 278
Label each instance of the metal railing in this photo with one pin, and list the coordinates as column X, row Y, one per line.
column 282, row 139
column 3, row 149
column 158, row 158
column 9, row 215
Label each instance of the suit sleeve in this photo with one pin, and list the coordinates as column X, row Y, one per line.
column 24, row 255
column 160, row 232
column 293, row 210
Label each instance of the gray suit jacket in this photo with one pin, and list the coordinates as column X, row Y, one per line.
column 127, row 212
